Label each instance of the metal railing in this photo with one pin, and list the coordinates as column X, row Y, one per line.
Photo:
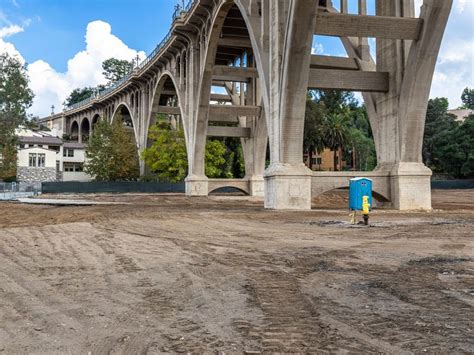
column 179, row 12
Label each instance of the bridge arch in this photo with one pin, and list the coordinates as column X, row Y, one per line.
column 376, row 194
column 123, row 110
column 242, row 185
column 74, row 130
column 95, row 120
column 166, row 93
column 256, row 47
column 219, row 28
column 85, row 129
column 323, row 182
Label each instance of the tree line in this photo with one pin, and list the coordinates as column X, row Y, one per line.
column 448, row 145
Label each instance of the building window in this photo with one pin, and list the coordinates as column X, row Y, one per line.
column 73, row 167
column 319, row 161
column 32, row 160
column 22, row 146
column 68, row 153
column 41, row 160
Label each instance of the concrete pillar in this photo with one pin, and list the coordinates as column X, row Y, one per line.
column 79, row 132
column 197, row 185
column 288, row 180
column 197, row 181
column 402, row 111
column 410, row 186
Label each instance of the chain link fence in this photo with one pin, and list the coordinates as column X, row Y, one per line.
column 10, row 191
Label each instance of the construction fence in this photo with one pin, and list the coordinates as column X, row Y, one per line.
column 10, row 191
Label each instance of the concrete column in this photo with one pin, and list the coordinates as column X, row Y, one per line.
column 287, row 180
column 79, row 130
column 197, row 181
column 402, row 111
column 410, row 186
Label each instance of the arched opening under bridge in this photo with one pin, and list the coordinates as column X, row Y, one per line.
column 235, row 117
column 165, row 155
column 74, row 131
column 95, row 120
column 85, row 129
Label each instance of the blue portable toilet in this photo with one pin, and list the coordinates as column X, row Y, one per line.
column 358, row 188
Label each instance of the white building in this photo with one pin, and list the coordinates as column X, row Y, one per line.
column 461, row 114
column 43, row 157
column 73, row 158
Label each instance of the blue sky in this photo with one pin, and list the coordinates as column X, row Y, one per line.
column 64, row 42
column 54, row 29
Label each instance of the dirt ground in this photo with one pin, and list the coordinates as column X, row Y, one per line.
column 165, row 273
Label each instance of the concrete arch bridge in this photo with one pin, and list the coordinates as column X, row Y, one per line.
column 259, row 53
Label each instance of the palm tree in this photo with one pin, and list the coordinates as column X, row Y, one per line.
column 335, row 130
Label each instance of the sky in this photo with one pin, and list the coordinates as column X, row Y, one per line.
column 64, row 42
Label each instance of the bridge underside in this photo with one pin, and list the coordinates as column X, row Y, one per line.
column 243, row 68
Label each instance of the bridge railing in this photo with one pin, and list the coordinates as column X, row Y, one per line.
column 179, row 11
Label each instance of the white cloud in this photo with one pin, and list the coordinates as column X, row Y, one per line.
column 6, row 47
column 454, row 70
column 10, row 30
column 317, row 49
column 84, row 69
column 461, row 5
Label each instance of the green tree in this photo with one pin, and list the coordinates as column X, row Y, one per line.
column 15, row 95
column 215, row 159
column 115, row 69
column 363, row 150
column 167, row 157
column 336, row 101
column 234, row 157
column 456, row 150
column 335, row 130
column 313, row 139
column 78, row 95
column 15, row 98
column 467, row 98
column 112, row 153
column 438, row 123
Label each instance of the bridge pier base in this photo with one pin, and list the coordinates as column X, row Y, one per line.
column 411, row 186
column 256, row 186
column 197, row 185
column 288, row 187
